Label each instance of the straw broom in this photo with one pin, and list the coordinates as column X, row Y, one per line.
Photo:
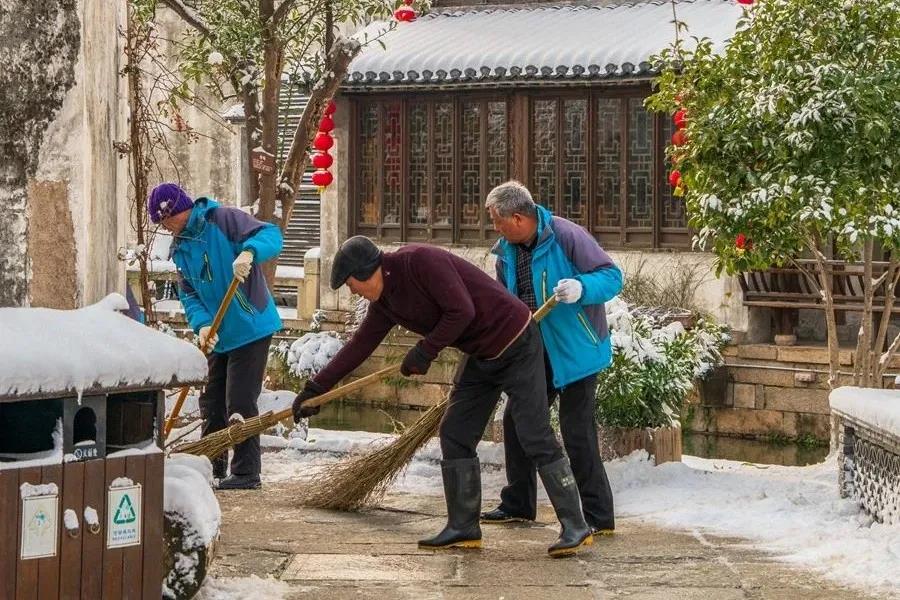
column 216, row 443
column 359, row 480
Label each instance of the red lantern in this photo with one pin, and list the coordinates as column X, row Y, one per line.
column 322, row 160
column 322, row 178
column 323, row 141
column 741, row 241
column 680, row 119
column 675, row 178
column 330, row 108
column 679, row 138
column 326, row 124
column 745, row 2
column 405, row 14
column 408, row 2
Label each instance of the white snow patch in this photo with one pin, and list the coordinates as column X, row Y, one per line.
column 50, row 351
column 90, row 516
column 878, row 408
column 187, row 492
column 148, row 448
column 200, row 464
column 121, row 482
column 70, row 518
column 289, row 272
column 312, row 351
column 240, row 588
column 28, row 490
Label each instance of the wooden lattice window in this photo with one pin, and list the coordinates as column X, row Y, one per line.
column 424, row 165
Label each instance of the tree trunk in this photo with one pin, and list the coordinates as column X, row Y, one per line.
column 826, row 284
column 337, row 63
column 863, row 371
column 136, row 39
column 249, row 93
column 890, row 286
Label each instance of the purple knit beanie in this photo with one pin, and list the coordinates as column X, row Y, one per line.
column 167, row 199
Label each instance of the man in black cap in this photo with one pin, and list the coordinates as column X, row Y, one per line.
column 451, row 302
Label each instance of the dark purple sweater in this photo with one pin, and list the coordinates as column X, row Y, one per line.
column 438, row 295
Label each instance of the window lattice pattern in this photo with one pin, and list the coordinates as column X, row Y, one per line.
column 673, row 215
column 607, row 162
column 471, row 165
column 497, row 155
column 544, row 152
column 391, row 193
column 443, row 164
column 575, row 157
column 418, row 164
column 640, row 165
column 368, row 154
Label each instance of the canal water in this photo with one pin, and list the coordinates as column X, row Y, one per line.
column 354, row 416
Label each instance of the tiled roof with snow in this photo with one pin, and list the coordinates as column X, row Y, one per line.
column 539, row 43
column 52, row 353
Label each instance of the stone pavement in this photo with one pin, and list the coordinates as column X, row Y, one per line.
column 337, row 556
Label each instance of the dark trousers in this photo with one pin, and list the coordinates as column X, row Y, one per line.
column 579, row 433
column 519, row 372
column 235, row 380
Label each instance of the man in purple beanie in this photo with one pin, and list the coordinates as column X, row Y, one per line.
column 213, row 244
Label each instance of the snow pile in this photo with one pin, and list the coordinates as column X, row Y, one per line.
column 48, row 351
column 193, row 517
column 70, row 518
column 240, row 588
column 878, row 408
column 188, row 493
column 311, row 352
column 29, row 490
column 121, row 482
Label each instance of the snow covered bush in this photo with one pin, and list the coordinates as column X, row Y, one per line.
column 654, row 366
column 192, row 519
column 787, row 146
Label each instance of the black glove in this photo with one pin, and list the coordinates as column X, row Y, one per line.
column 416, row 362
column 310, row 390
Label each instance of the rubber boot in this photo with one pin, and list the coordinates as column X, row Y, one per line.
column 563, row 492
column 220, row 466
column 462, row 491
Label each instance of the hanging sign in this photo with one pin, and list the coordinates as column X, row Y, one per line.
column 123, row 516
column 262, row 162
column 40, row 526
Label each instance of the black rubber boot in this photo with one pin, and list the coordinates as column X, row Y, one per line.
column 462, row 491
column 240, row 482
column 499, row 516
column 560, row 485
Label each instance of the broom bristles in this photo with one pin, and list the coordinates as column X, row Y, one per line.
column 359, row 480
column 216, row 443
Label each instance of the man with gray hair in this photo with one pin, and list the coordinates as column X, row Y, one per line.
column 538, row 255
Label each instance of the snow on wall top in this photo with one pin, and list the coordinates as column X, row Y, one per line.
column 48, row 352
column 534, row 43
column 878, row 408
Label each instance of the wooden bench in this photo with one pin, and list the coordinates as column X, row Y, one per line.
column 788, row 289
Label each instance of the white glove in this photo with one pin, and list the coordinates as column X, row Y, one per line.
column 242, row 265
column 568, row 291
column 207, row 343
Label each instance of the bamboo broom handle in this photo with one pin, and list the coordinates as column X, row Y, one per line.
column 363, row 382
column 343, row 390
column 214, row 328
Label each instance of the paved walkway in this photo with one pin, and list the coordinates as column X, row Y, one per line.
column 338, row 556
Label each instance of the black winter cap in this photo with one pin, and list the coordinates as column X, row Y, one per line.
column 358, row 257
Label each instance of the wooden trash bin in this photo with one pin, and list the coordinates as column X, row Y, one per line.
column 81, row 475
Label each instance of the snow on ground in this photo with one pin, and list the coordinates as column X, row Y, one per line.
column 795, row 513
column 241, row 588
column 48, row 351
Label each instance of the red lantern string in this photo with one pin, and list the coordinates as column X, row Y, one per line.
column 322, row 160
column 323, row 141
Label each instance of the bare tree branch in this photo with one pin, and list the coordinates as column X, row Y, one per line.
column 189, row 16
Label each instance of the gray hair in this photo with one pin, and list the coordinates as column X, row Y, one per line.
column 511, row 198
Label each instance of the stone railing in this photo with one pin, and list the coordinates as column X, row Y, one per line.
column 305, row 280
column 866, row 433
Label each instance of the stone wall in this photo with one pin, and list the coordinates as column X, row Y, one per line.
column 770, row 391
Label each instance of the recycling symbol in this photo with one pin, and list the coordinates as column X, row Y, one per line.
column 124, row 512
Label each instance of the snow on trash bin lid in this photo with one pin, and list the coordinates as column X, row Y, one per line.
column 49, row 353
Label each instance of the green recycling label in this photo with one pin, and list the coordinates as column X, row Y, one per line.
column 123, row 509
